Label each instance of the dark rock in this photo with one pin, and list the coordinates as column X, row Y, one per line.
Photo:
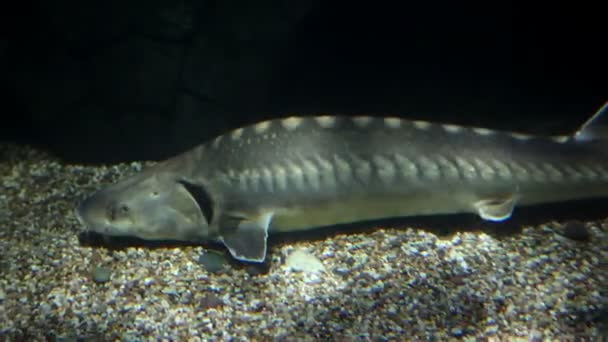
column 213, row 262
column 576, row 230
column 101, row 274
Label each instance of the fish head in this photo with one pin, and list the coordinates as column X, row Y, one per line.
column 149, row 205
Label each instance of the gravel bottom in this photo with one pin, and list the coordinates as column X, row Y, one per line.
column 381, row 285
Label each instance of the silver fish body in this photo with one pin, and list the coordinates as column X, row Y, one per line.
column 298, row 173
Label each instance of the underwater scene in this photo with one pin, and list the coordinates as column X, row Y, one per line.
column 271, row 170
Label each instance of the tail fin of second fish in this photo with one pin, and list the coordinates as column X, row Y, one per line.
column 596, row 127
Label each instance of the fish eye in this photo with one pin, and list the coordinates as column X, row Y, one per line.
column 124, row 209
column 154, row 194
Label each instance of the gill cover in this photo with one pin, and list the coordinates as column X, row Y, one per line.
column 149, row 205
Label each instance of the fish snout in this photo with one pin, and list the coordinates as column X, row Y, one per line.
column 91, row 212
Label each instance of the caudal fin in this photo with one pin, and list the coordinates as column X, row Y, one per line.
column 596, row 128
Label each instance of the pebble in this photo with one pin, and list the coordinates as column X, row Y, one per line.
column 302, row 261
column 576, row 230
column 212, row 261
column 101, row 274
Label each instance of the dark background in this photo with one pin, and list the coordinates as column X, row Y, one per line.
column 109, row 81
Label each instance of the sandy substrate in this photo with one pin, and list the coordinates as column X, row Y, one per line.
column 384, row 284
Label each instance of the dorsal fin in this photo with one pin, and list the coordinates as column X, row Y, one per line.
column 596, row 128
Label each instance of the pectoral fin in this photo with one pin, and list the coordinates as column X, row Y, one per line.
column 496, row 209
column 245, row 237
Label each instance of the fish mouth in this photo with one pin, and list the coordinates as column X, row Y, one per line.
column 88, row 228
column 87, row 213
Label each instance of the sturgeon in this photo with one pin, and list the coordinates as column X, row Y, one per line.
column 298, row 173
